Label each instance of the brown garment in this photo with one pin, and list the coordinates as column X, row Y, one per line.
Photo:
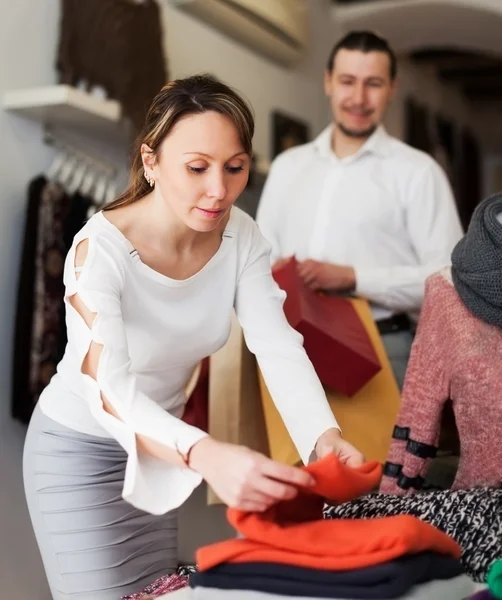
column 115, row 44
column 39, row 328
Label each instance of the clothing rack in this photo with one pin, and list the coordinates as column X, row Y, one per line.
column 79, row 170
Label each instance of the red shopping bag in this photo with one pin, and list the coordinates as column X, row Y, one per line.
column 335, row 339
column 197, row 407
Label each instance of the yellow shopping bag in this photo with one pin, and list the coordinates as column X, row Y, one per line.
column 366, row 419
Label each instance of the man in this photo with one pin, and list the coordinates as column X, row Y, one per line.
column 362, row 212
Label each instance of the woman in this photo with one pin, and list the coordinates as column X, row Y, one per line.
column 151, row 283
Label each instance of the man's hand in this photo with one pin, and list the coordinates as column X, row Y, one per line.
column 326, row 276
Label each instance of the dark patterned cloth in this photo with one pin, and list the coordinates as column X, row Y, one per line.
column 473, row 518
column 21, row 405
column 38, row 325
column 165, row 584
column 49, row 288
column 52, row 220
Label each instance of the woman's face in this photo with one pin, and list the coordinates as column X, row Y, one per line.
column 200, row 170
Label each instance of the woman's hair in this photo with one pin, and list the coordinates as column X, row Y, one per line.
column 194, row 95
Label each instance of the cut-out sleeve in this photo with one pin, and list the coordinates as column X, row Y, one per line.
column 150, row 484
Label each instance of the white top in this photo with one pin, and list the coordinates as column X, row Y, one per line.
column 155, row 330
column 388, row 211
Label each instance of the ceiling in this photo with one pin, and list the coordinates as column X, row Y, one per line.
column 459, row 39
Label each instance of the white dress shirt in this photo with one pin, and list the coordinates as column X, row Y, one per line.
column 387, row 211
column 154, row 330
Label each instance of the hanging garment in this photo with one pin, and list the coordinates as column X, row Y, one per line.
column 115, row 44
column 49, row 289
column 473, row 518
column 40, row 295
column 293, row 531
column 392, row 579
column 75, row 220
column 455, row 356
column 21, row 405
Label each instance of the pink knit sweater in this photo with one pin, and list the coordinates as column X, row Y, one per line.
column 456, row 356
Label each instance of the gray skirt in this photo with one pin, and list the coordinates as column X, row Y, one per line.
column 94, row 545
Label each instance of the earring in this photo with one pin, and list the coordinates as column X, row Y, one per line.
column 149, row 179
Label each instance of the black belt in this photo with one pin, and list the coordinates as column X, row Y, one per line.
column 394, row 324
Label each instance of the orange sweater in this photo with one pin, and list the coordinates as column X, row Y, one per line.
column 294, row 532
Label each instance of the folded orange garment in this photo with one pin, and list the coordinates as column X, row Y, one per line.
column 293, row 532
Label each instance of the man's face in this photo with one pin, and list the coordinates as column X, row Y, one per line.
column 359, row 88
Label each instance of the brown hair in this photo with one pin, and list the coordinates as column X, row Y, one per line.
column 193, row 95
column 364, row 41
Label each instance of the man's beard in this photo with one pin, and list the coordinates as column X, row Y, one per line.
column 357, row 134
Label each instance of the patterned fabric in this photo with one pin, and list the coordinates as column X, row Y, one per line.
column 473, row 518
column 455, row 357
column 21, row 404
column 163, row 585
column 49, row 288
column 38, row 328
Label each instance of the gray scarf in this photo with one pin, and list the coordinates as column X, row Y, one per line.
column 477, row 263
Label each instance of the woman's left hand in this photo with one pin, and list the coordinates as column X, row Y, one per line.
column 331, row 442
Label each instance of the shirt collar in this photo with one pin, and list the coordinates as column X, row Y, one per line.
column 377, row 143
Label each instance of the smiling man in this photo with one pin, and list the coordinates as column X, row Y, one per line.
column 362, row 212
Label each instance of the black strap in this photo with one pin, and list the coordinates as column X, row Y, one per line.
column 401, row 433
column 395, row 471
column 420, row 449
column 405, row 483
column 392, row 469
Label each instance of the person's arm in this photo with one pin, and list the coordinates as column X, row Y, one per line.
column 290, row 377
column 426, row 389
column 159, row 445
column 434, row 229
column 155, row 441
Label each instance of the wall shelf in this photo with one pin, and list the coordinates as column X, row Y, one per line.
column 66, row 106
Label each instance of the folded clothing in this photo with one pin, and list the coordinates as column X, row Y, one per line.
column 293, row 531
column 453, row 589
column 473, row 518
column 388, row 580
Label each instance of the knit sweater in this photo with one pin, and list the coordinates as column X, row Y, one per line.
column 293, row 532
column 455, row 356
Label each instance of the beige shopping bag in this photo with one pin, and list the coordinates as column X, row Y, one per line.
column 235, row 407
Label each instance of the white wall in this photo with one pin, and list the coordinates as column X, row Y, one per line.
column 193, row 47
column 27, row 46
column 420, row 83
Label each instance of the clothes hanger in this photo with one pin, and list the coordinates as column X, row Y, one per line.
column 78, row 176
column 67, row 170
column 111, row 191
column 56, row 165
column 100, row 190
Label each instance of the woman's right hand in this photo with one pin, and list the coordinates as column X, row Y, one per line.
column 243, row 478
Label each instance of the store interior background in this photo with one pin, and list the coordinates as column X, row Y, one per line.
column 28, row 41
